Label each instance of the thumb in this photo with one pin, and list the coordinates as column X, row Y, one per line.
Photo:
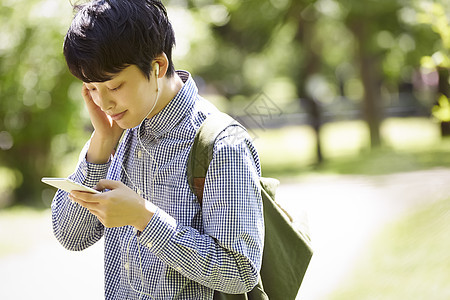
column 105, row 184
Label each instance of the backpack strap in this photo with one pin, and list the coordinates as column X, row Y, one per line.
column 202, row 150
column 198, row 162
column 287, row 251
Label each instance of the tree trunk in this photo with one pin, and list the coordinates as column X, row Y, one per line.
column 370, row 75
column 445, row 129
column 311, row 66
column 443, row 85
column 444, row 89
column 372, row 98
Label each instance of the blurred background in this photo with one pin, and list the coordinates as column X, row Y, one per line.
column 347, row 102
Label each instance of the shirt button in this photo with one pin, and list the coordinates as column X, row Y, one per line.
column 149, row 244
column 139, row 192
column 126, row 266
column 139, row 154
column 179, row 269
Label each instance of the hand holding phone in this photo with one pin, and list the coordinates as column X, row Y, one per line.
column 68, row 185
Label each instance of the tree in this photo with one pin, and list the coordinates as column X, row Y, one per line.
column 378, row 43
column 35, row 106
column 436, row 15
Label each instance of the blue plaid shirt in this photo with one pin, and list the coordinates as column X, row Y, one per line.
column 186, row 251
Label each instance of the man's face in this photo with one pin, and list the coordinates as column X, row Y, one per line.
column 127, row 98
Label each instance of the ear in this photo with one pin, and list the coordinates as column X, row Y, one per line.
column 163, row 63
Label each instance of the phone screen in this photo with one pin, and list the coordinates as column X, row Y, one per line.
column 68, row 185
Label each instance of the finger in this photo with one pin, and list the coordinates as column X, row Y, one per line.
column 87, row 95
column 91, row 206
column 96, row 212
column 84, row 196
column 108, row 184
column 92, row 107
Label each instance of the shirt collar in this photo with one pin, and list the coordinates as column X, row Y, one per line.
column 174, row 111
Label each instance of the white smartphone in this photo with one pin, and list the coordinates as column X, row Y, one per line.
column 68, row 185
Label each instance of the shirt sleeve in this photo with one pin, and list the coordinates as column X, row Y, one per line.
column 73, row 225
column 227, row 256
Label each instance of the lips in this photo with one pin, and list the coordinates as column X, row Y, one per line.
column 118, row 116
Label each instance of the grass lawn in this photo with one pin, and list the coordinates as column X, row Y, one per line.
column 408, row 260
column 409, row 144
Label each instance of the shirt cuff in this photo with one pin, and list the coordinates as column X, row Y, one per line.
column 159, row 231
column 89, row 174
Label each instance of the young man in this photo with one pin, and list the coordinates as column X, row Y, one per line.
column 160, row 243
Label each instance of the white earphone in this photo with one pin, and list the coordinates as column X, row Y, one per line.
column 127, row 264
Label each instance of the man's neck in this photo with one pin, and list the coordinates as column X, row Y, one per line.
column 168, row 89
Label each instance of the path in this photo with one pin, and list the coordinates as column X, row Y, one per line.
column 344, row 213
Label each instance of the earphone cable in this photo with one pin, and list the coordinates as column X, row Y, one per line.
column 144, row 195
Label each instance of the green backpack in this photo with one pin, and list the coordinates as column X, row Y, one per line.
column 287, row 250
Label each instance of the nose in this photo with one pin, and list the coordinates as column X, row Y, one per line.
column 103, row 100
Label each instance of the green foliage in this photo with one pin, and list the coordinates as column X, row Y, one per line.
column 288, row 49
column 34, row 83
column 238, row 32
column 318, row 45
column 441, row 111
column 436, row 16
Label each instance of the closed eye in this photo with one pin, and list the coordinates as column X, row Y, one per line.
column 117, row 88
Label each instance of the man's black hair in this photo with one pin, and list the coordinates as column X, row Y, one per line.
column 106, row 36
